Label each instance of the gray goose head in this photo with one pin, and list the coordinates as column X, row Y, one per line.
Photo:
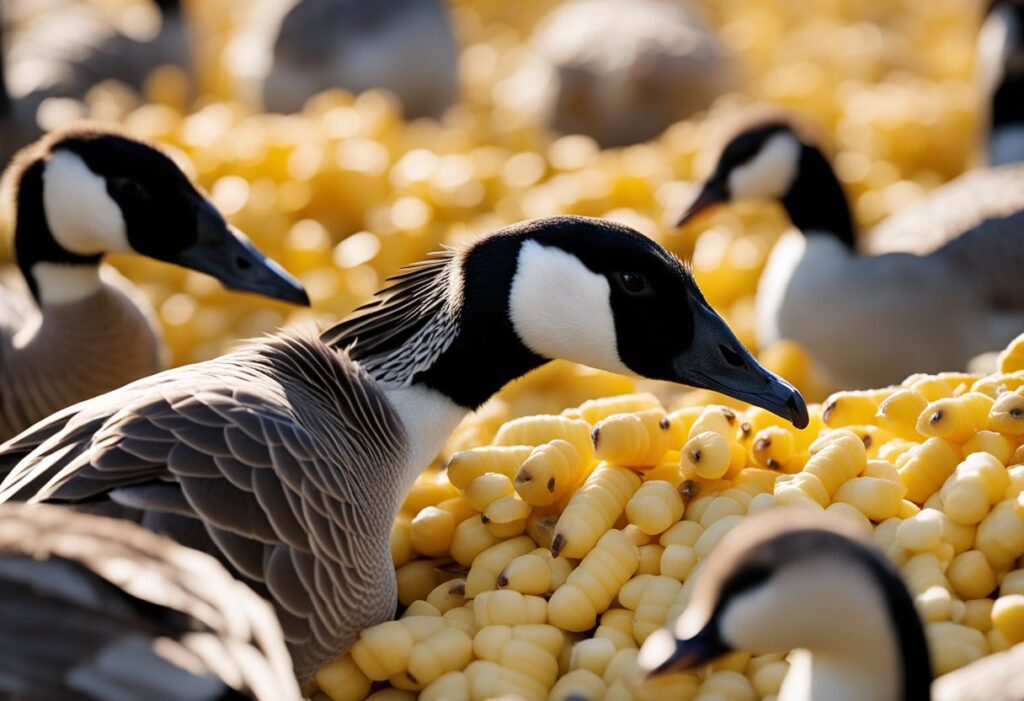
column 770, row 161
column 466, row 323
column 82, row 193
column 793, row 580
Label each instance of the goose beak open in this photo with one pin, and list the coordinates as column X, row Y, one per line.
column 228, row 255
column 716, row 360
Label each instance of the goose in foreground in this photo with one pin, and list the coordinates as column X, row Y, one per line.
column 290, row 457
column 789, row 579
column 96, row 608
column 307, row 46
column 868, row 321
column 80, row 194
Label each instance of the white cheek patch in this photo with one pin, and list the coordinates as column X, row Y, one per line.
column 769, row 174
column 560, row 309
column 996, row 40
column 82, row 216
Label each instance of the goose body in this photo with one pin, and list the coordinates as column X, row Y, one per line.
column 791, row 580
column 98, row 609
column 289, row 458
column 76, row 328
column 868, row 321
column 307, row 46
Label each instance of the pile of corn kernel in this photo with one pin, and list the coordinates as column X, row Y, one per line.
column 536, row 565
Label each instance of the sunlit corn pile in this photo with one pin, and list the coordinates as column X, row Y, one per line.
column 346, row 191
column 538, row 562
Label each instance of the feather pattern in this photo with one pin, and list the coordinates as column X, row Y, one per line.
column 285, row 453
column 96, row 608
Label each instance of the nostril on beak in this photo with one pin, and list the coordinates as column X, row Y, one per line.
column 732, row 357
column 242, row 263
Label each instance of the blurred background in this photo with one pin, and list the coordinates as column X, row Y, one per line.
column 493, row 112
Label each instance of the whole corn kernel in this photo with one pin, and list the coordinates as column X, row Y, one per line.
column 971, row 575
column 955, row 418
column 899, row 412
column 654, row 507
column 593, row 510
column 707, row 455
column 853, row 408
column 927, row 467
column 1007, row 414
column 594, row 410
column 342, row 680
column 590, row 588
column 1008, row 617
column 548, row 473
column 633, row 440
column 773, row 448
column 483, row 573
column 467, row 465
column 528, row 574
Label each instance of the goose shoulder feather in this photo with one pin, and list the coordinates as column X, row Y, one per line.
column 94, row 607
column 265, row 457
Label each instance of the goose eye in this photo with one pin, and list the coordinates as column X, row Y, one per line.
column 633, row 283
column 128, row 187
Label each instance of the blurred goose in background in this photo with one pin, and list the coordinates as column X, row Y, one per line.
column 295, row 49
column 792, row 580
column 84, row 329
column 1000, row 77
column 62, row 48
column 290, row 457
column 96, row 608
column 622, row 71
column 868, row 321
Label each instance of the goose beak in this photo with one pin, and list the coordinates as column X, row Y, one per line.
column 227, row 254
column 710, row 197
column 716, row 360
column 663, row 653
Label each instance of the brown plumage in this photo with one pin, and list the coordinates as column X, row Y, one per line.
column 95, row 608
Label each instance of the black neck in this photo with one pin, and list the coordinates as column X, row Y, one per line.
column 816, row 203
column 487, row 353
column 33, row 240
column 1008, row 103
column 168, row 7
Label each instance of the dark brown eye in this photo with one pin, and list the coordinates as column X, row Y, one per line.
column 128, row 188
column 633, row 283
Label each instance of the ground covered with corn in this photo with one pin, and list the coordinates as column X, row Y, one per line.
column 559, row 538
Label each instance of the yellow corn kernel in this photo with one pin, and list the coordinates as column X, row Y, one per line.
column 978, row 614
column 1011, row 358
column 899, row 412
column 1001, row 534
column 652, row 609
column 483, row 573
column 489, row 641
column 921, row 532
column 995, row 444
column 943, row 384
column 508, row 608
column 952, row 646
column 622, row 665
column 617, row 626
column 835, row 458
column 767, row 679
column 509, row 512
column 727, row 684
column 593, row 410
column 1007, row 414
column 802, row 487
column 541, row 525
column 416, row 580
column 754, row 481
column 401, row 541
column 762, row 502
column 707, row 455
column 935, row 604
column 550, row 471
column 593, row 655
column 655, row 507
column 1008, row 617
column 629, row 593
column 669, row 687
column 678, row 561
column 717, row 419
column 851, row 514
column 667, row 471
column 448, row 595
column 382, row 651
column 1015, row 476
column 421, row 608
column 471, row 538
column 955, row 418
column 561, row 568
column 719, row 507
column 489, row 680
column 590, row 588
column 461, row 617
column 487, row 488
column 971, row 576
column 593, row 509
column 853, row 408
column 650, row 558
column 342, row 680
column 447, row 650
column 431, row 531
column 927, row 467
column 773, row 448
column 467, row 465
column 960, row 536
column 430, row 489
column 710, row 538
column 876, row 498
column 452, row 686
column 975, row 485
column 578, row 684
column 908, row 509
column 528, row 574
column 682, row 533
column 632, row 440
column 923, row 572
column 541, row 429
column 1013, row 583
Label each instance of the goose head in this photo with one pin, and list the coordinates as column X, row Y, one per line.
column 1000, row 79
column 573, row 288
column 788, row 580
column 88, row 192
column 771, row 161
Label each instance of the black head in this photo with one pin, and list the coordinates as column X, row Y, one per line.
column 1000, row 77
column 84, row 193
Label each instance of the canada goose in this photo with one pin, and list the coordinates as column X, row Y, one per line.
column 794, row 580
column 82, row 193
column 96, row 608
column 62, row 48
column 307, row 46
column 868, row 321
column 290, row 457
column 622, row 71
